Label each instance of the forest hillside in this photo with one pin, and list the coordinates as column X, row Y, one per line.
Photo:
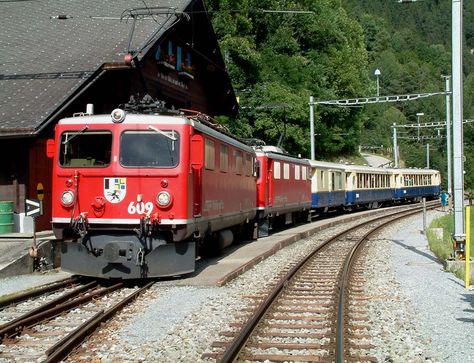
column 280, row 52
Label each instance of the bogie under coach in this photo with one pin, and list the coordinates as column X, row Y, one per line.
column 134, row 194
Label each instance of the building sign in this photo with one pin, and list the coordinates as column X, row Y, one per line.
column 172, row 80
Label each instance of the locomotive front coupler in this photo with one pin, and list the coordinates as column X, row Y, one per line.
column 145, row 228
column 80, row 225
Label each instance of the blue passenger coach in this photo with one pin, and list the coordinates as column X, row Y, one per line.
column 368, row 186
column 328, row 185
column 414, row 184
column 344, row 186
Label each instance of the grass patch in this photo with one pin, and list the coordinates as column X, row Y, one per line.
column 443, row 248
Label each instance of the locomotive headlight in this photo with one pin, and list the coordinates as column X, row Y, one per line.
column 118, row 115
column 163, row 199
column 67, row 198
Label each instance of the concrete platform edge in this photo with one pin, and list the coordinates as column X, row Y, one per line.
column 25, row 264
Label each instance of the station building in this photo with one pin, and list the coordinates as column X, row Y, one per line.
column 59, row 56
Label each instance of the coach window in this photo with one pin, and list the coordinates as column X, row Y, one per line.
column 82, row 148
column 154, row 148
column 338, row 181
column 209, row 155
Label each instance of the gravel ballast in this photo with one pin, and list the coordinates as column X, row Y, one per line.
column 419, row 313
column 442, row 305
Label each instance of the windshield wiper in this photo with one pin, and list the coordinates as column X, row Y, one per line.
column 162, row 132
column 75, row 134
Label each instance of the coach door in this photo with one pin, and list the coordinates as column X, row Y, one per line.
column 332, row 187
column 197, row 162
column 270, row 181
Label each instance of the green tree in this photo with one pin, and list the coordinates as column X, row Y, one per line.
column 277, row 60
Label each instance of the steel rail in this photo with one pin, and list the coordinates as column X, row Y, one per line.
column 14, row 329
column 38, row 291
column 5, row 328
column 62, row 348
column 231, row 354
column 343, row 283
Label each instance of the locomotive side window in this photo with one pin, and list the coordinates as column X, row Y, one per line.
column 224, row 160
column 82, row 148
column 297, row 172
column 209, row 155
column 153, row 149
column 286, row 171
column 276, row 170
column 239, row 162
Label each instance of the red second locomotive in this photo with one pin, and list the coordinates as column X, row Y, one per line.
column 133, row 194
column 283, row 189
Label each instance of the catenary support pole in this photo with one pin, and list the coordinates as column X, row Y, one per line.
column 427, row 156
column 448, row 136
column 395, row 146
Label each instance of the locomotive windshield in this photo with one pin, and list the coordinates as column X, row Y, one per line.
column 83, row 148
column 153, row 149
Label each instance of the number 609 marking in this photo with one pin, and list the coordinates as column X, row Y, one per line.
column 140, row 208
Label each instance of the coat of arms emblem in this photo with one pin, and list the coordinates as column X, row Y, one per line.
column 115, row 189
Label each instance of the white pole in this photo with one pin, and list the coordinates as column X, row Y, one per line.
column 377, row 74
column 418, row 115
column 395, row 146
column 448, row 133
column 427, row 156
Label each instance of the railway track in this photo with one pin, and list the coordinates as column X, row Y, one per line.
column 45, row 325
column 316, row 309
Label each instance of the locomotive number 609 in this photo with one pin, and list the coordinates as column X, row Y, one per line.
column 140, row 208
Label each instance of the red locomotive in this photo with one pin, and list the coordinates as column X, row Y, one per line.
column 134, row 194
column 283, row 189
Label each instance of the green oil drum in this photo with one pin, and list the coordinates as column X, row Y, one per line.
column 6, row 217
